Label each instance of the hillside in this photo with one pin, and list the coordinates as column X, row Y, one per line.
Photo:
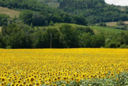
column 97, row 29
column 107, row 31
column 94, row 11
column 10, row 12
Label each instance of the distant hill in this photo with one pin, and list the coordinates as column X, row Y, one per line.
column 95, row 11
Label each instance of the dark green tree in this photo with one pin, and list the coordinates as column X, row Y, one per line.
column 26, row 17
column 4, row 19
column 17, row 36
column 97, row 41
column 71, row 36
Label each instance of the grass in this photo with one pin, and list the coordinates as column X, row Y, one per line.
column 97, row 29
column 12, row 13
column 106, row 30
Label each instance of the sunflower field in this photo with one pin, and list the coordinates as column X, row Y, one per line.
column 64, row 67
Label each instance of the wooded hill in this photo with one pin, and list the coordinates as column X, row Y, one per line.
column 94, row 11
column 62, row 24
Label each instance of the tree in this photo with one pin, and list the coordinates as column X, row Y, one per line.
column 39, row 20
column 39, row 39
column 71, row 36
column 80, row 20
column 26, row 17
column 2, row 44
column 85, row 40
column 17, row 36
column 97, row 41
column 4, row 19
column 85, row 30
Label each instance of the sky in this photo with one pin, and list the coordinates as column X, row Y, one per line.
column 117, row 2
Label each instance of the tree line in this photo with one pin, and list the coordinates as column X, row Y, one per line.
column 65, row 36
column 42, row 18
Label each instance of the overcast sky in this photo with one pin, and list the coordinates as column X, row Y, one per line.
column 117, row 2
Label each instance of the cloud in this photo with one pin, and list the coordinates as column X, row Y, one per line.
column 117, row 2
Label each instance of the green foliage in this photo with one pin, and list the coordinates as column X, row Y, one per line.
column 118, row 40
column 1, row 41
column 97, row 41
column 16, row 36
column 34, row 18
column 70, row 36
column 106, row 31
column 43, row 19
column 64, row 36
column 4, row 19
column 69, row 11
column 85, row 40
column 22, row 4
column 95, row 11
column 102, row 24
column 26, row 16
column 49, row 38
column 119, row 80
